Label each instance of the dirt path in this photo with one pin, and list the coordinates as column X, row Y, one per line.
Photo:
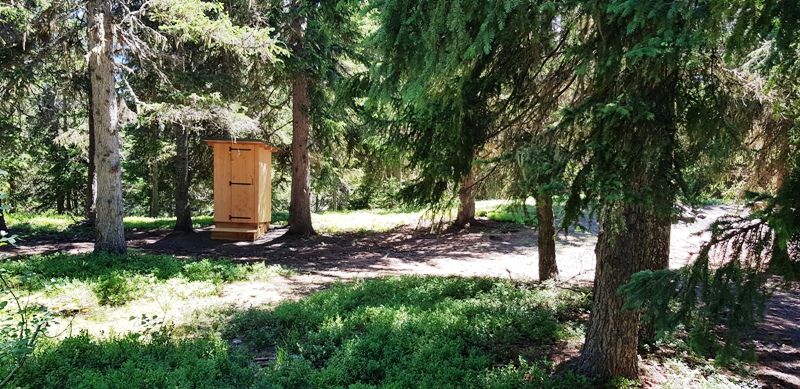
column 490, row 249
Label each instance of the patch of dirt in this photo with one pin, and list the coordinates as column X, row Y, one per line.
column 486, row 249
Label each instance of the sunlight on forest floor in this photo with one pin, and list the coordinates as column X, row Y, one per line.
column 118, row 304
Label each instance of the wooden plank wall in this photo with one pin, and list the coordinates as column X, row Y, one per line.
column 222, row 174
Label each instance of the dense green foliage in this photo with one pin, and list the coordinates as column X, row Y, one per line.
column 728, row 283
column 116, row 280
column 454, row 76
column 626, row 106
column 398, row 332
column 428, row 332
column 133, row 362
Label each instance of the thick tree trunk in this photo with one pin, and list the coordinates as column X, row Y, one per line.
column 466, row 197
column 183, row 213
column 300, row 198
column 91, row 184
column 110, row 229
column 612, row 334
column 546, row 240
column 155, row 209
column 658, row 259
column 3, row 225
column 60, row 203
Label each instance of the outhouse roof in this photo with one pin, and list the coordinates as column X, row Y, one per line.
column 258, row 142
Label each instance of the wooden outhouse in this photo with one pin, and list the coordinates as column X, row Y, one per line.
column 242, row 188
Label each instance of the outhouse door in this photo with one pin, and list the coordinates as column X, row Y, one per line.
column 242, row 184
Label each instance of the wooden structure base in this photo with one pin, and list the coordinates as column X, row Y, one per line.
column 238, row 231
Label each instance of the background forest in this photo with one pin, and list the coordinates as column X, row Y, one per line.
column 623, row 112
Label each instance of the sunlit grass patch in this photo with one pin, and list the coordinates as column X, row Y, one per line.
column 98, row 292
column 39, row 223
column 381, row 220
column 508, row 211
column 413, row 332
column 50, row 223
column 133, row 361
column 151, row 223
column 364, row 220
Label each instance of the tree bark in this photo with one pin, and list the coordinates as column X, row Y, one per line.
column 548, row 268
column 300, row 198
column 183, row 213
column 612, row 334
column 657, row 259
column 155, row 209
column 59, row 202
column 466, row 197
column 91, row 185
column 3, row 225
column 109, row 226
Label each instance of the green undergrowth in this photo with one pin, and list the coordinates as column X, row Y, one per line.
column 135, row 361
column 512, row 213
column 416, row 332
column 116, row 280
column 154, row 223
column 31, row 224
column 399, row 332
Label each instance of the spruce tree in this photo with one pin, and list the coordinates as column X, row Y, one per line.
column 656, row 102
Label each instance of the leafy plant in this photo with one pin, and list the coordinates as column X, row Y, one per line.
column 413, row 332
column 20, row 330
column 115, row 289
column 135, row 361
column 21, row 325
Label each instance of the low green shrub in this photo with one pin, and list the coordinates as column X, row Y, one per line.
column 133, row 361
column 117, row 280
column 405, row 332
column 208, row 270
column 513, row 213
column 116, row 288
column 152, row 223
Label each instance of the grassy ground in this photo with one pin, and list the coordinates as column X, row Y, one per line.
column 326, row 222
column 52, row 223
column 399, row 332
column 384, row 220
column 143, row 321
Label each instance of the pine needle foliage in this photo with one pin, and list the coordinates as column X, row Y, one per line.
column 659, row 100
column 453, row 75
column 721, row 297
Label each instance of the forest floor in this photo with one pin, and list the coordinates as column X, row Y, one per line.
column 486, row 249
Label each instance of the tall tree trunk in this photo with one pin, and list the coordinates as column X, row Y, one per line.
column 91, row 184
column 110, row 229
column 612, row 334
column 300, row 198
column 60, row 203
column 466, row 197
column 658, row 259
column 546, row 240
column 154, row 200
column 3, row 225
column 183, row 213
